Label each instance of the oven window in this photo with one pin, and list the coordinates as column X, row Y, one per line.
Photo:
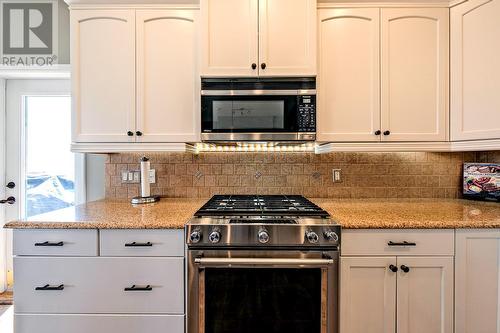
column 230, row 114
column 262, row 300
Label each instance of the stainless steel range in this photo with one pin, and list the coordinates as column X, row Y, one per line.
column 262, row 264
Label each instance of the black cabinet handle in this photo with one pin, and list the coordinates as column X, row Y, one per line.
column 48, row 287
column 135, row 244
column 263, row 65
column 135, row 288
column 130, row 133
column 393, row 268
column 254, row 66
column 387, row 132
column 11, row 185
column 404, row 243
column 378, row 132
column 47, row 243
column 405, row 269
column 138, row 133
column 9, row 200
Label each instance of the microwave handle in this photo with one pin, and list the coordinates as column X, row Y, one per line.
column 261, row 261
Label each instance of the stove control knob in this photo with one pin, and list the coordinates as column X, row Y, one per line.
column 214, row 237
column 195, row 236
column 312, row 237
column 263, row 236
column 331, row 236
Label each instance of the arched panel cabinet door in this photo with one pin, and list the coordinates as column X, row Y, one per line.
column 103, row 75
column 167, row 76
column 414, row 74
column 475, row 70
column 349, row 78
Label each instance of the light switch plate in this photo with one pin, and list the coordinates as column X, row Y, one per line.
column 337, row 175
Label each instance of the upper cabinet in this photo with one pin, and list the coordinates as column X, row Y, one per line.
column 103, row 75
column 475, row 70
column 383, row 74
column 258, row 37
column 167, row 76
column 349, row 80
column 414, row 72
column 230, row 37
column 135, row 75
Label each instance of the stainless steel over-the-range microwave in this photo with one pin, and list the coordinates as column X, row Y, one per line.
column 258, row 109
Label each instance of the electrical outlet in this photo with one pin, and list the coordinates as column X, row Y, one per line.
column 337, row 175
column 137, row 177
column 130, row 176
column 152, row 176
column 124, row 176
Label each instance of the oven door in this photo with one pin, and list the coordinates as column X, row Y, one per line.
column 252, row 117
column 262, row 291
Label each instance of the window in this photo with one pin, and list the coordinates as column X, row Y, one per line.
column 49, row 163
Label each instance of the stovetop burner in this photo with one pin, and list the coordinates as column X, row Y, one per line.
column 269, row 205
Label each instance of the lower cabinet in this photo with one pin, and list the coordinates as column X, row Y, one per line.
column 133, row 282
column 477, row 281
column 396, row 293
column 97, row 323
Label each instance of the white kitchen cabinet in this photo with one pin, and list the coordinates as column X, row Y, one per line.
column 258, row 37
column 60, row 242
column 367, row 295
column 348, row 79
column 287, row 37
column 103, row 75
column 414, row 74
column 475, row 70
column 477, row 281
column 77, row 323
column 230, row 37
column 425, row 295
column 404, row 289
column 167, row 76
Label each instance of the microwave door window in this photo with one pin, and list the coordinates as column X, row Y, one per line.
column 249, row 115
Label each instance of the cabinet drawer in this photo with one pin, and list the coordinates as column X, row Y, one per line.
column 154, row 243
column 376, row 242
column 77, row 323
column 55, row 242
column 97, row 285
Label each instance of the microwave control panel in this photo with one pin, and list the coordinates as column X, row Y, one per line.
column 306, row 117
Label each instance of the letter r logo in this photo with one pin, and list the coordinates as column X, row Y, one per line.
column 27, row 28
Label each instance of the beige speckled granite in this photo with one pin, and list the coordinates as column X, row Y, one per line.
column 351, row 214
column 412, row 213
column 116, row 214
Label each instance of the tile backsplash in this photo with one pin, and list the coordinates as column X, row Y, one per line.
column 363, row 175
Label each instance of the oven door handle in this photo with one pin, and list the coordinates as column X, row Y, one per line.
column 262, row 261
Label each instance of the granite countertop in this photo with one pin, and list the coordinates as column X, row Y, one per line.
column 168, row 213
column 351, row 214
column 412, row 213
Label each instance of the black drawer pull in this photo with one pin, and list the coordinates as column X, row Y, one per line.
column 47, row 243
column 135, row 288
column 135, row 244
column 405, row 243
column 49, row 287
column 405, row 268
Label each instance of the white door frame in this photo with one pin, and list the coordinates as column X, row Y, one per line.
column 3, row 234
column 16, row 91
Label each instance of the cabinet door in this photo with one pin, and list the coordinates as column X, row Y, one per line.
column 475, row 70
column 229, row 37
column 425, row 295
column 167, row 76
column 477, row 281
column 287, row 37
column 103, row 75
column 414, row 69
column 349, row 80
column 367, row 295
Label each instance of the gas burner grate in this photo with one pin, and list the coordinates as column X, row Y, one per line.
column 287, row 205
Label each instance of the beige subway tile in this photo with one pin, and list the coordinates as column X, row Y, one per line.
column 210, row 180
column 222, row 180
column 227, row 169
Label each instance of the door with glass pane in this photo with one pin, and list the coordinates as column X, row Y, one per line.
column 39, row 161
